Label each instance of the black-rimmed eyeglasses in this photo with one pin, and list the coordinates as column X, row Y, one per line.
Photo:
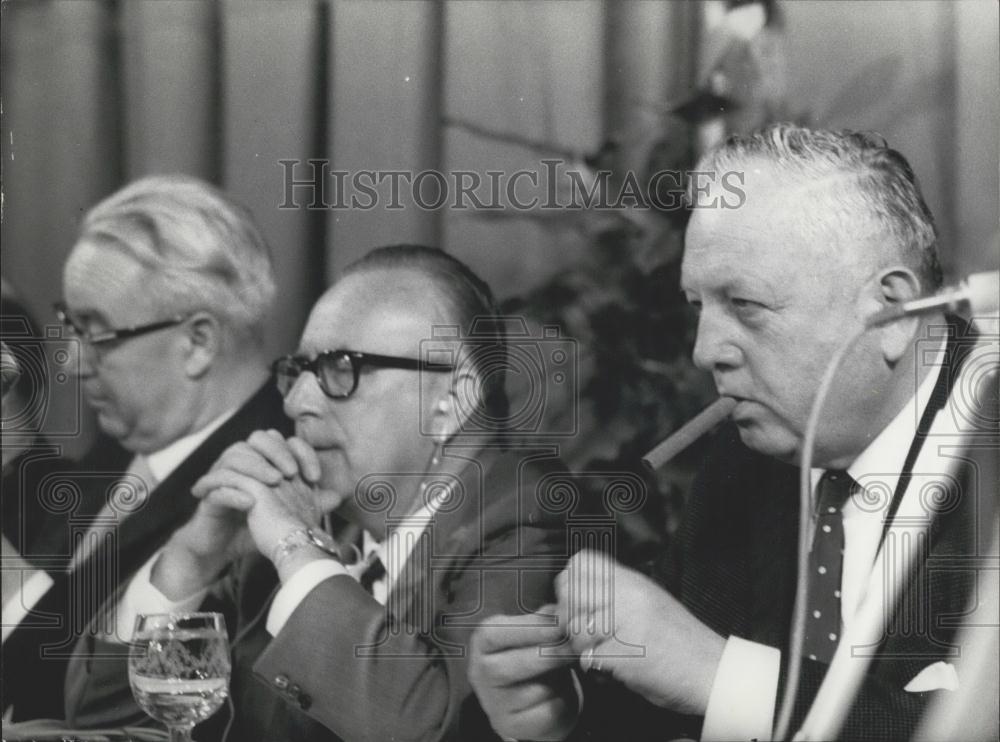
column 106, row 336
column 338, row 371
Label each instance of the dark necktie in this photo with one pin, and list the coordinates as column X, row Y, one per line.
column 374, row 572
column 826, row 562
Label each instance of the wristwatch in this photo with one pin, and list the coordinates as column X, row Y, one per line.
column 302, row 537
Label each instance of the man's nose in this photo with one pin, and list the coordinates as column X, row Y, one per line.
column 81, row 358
column 304, row 397
column 715, row 348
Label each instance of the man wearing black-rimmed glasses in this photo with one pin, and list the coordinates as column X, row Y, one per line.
column 365, row 638
column 166, row 293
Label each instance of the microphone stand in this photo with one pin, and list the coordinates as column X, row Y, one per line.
column 890, row 573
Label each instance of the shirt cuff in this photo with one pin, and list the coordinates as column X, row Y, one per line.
column 297, row 587
column 745, row 689
column 142, row 597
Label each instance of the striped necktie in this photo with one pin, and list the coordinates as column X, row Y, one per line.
column 124, row 497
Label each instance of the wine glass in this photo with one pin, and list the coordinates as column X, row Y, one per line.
column 179, row 668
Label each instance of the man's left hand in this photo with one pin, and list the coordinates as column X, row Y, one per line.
column 273, row 479
column 625, row 624
column 525, row 692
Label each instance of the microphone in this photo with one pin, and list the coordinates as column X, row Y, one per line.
column 980, row 293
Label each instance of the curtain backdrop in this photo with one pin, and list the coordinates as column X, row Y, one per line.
column 99, row 92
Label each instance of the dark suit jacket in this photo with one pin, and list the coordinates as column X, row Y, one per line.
column 36, row 654
column 737, row 571
column 23, row 514
column 345, row 666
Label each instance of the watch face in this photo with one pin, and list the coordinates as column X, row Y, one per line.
column 324, row 541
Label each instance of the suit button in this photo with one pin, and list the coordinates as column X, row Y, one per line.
column 305, row 702
column 281, row 682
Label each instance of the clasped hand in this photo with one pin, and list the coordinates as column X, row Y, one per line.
column 257, row 492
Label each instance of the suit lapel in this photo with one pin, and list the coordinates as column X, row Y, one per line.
column 773, row 537
column 960, row 333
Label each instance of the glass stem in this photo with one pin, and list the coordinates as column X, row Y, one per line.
column 180, row 734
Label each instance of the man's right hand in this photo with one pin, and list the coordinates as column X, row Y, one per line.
column 526, row 692
column 218, row 532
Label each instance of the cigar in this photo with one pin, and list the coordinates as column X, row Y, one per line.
column 700, row 424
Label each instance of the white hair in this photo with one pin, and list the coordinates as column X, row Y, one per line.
column 866, row 176
column 201, row 251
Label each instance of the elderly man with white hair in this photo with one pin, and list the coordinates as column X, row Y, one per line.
column 166, row 293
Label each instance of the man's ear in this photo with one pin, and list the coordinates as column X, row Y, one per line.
column 203, row 342
column 454, row 409
column 892, row 286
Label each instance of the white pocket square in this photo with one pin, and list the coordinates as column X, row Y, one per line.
column 939, row 676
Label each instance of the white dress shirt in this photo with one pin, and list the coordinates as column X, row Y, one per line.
column 163, row 462
column 744, row 694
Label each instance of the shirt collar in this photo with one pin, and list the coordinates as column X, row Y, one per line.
column 162, row 463
column 885, row 455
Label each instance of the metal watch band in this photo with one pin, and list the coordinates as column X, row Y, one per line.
column 301, row 537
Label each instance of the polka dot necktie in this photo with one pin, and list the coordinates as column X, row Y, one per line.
column 825, row 565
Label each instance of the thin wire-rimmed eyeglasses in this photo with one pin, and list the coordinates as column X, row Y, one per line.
column 338, row 371
column 107, row 336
